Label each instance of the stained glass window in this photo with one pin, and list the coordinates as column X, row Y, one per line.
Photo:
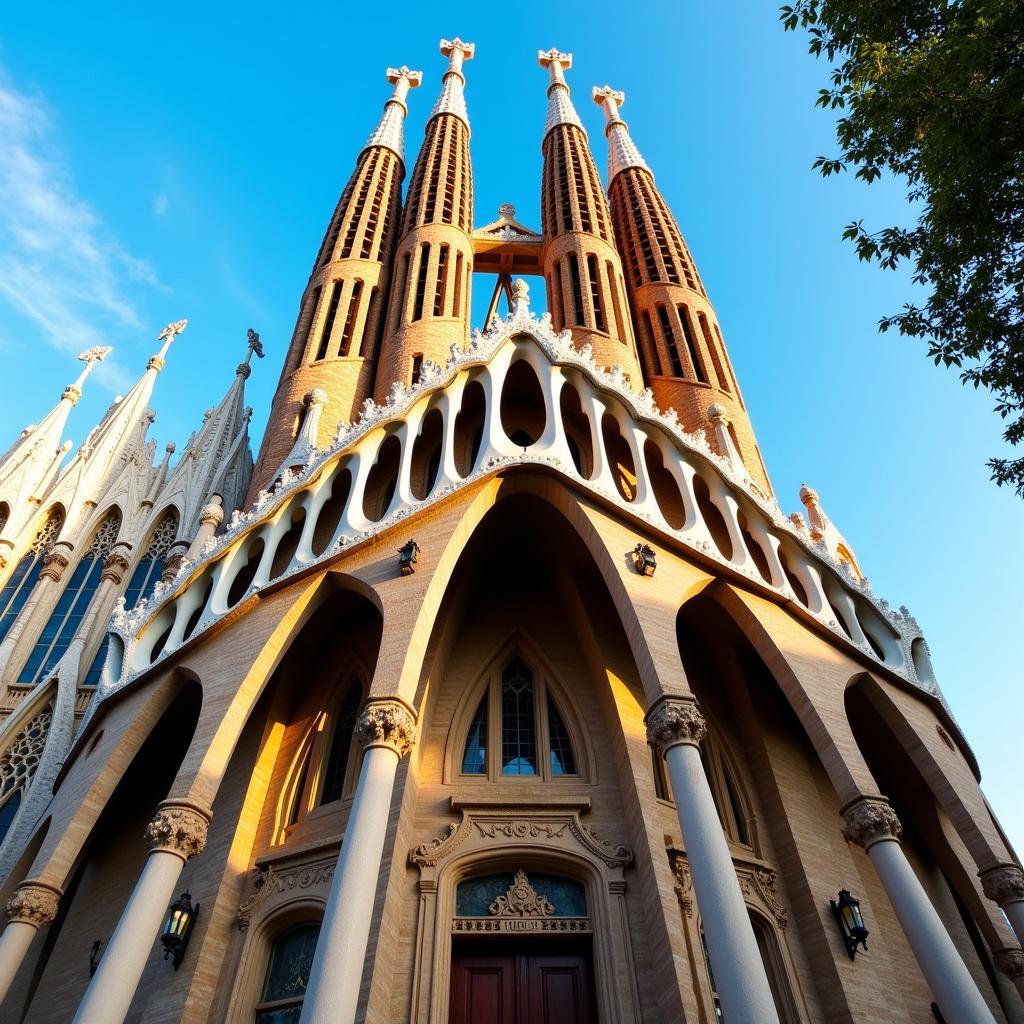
column 474, row 758
column 562, row 760
column 26, row 573
column 518, row 726
column 474, row 896
column 341, row 744
column 284, row 984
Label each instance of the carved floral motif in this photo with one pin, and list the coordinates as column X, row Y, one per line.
column 267, row 882
column 522, row 900
column 1003, row 883
column 114, row 567
column 674, row 720
column 387, row 723
column 869, row 821
column 34, row 903
column 179, row 828
column 684, row 881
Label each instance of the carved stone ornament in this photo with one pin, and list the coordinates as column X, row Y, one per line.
column 212, row 514
column 267, row 881
column 521, row 900
column 760, row 882
column 684, row 881
column 34, row 903
column 1003, row 883
column 179, row 828
column 114, row 567
column 675, row 720
column 869, row 821
column 387, row 723
column 172, row 565
column 54, row 564
column 1010, row 961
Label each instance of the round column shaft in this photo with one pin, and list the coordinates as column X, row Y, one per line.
column 33, row 905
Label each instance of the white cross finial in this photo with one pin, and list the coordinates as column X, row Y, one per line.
column 91, row 356
column 610, row 99
column 167, row 335
column 556, row 62
column 403, row 80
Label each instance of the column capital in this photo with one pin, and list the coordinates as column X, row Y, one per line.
column 115, row 565
column 55, row 561
column 674, row 720
column 1003, row 883
column 387, row 722
column 34, row 903
column 870, row 820
column 1010, row 961
column 179, row 827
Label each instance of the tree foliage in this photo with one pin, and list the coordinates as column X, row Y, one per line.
column 933, row 92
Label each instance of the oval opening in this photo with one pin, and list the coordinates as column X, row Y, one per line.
column 161, row 643
column 426, row 454
column 882, row 638
column 794, row 580
column 922, row 660
column 288, row 544
column 713, row 518
column 577, row 431
column 245, row 575
column 755, row 549
column 666, row 490
column 522, row 405
column 469, row 428
column 193, row 619
column 620, row 458
column 382, row 480
column 331, row 512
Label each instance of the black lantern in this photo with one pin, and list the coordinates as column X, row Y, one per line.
column 181, row 917
column 850, row 921
column 407, row 555
column 644, row 560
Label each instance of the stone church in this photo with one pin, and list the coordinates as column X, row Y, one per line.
column 499, row 690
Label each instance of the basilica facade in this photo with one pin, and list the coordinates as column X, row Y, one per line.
column 499, row 688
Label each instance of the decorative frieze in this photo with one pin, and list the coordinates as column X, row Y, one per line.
column 674, row 720
column 179, row 828
column 269, row 882
column 870, row 820
column 387, row 723
column 34, row 903
column 1003, row 883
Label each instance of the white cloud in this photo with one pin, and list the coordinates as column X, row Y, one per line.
column 60, row 265
column 160, row 204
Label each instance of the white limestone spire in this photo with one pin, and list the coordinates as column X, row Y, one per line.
column 452, row 99
column 390, row 130
column 622, row 151
column 560, row 108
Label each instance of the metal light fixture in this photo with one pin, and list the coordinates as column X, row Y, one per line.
column 177, row 930
column 851, row 923
column 94, row 956
column 407, row 555
column 644, row 559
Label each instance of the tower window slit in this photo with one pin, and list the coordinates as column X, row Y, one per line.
column 440, row 136
column 562, row 157
column 691, row 345
column 577, row 290
column 647, row 332
column 332, row 312
column 556, row 298
column 581, row 188
column 613, row 294
column 594, row 273
column 345, row 348
column 421, row 283
column 466, row 184
column 371, row 222
column 314, row 305
column 723, row 380
column 402, row 294
column 457, row 297
column 356, row 211
column 442, row 281
column 670, row 342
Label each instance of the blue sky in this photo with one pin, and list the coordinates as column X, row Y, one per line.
column 183, row 162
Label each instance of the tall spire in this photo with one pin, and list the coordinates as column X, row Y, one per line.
column 430, row 293
column 337, row 333
column 622, row 151
column 560, row 108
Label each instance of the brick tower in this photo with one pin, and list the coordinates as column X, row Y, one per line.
column 434, row 262
column 334, row 345
column 582, row 268
column 684, row 357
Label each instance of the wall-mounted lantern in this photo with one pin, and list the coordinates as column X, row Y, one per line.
column 644, row 559
column 94, row 956
column 177, row 930
column 851, row 923
column 407, row 555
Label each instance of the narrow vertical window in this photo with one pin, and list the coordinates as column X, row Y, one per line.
column 457, row 297
column 421, row 283
column 577, row 290
column 417, row 368
column 442, row 281
column 691, row 345
column 341, row 745
column 345, row 347
column 670, row 342
column 556, row 298
column 26, row 574
column 723, row 380
column 401, row 295
column 332, row 312
column 314, row 305
column 474, row 756
column 518, row 727
column 613, row 294
column 647, row 334
column 563, row 761
column 594, row 273
column 284, row 984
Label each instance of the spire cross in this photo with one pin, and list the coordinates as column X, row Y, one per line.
column 255, row 345
column 610, row 100
column 167, row 335
column 457, row 52
column 90, row 357
column 403, row 80
column 556, row 62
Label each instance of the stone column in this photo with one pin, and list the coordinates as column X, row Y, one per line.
column 32, row 905
column 872, row 824
column 675, row 727
column 177, row 833
column 386, row 730
column 1009, row 962
column 1004, row 884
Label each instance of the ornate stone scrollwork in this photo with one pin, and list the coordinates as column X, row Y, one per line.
column 54, row 564
column 34, row 903
column 1010, row 961
column 674, row 720
column 387, row 723
column 179, row 828
column 211, row 515
column 684, row 881
column 114, row 567
column 870, row 820
column 1003, row 883
column 522, row 900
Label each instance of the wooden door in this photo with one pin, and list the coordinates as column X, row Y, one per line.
column 535, row 983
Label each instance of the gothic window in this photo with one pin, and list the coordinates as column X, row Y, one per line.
column 72, row 604
column 26, row 572
column 143, row 582
column 287, row 975
column 18, row 765
column 332, row 312
column 775, row 968
column 517, row 729
column 594, row 274
column 670, row 342
column 577, row 290
column 345, row 348
column 421, row 282
column 691, row 345
column 341, row 744
column 4, row 515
